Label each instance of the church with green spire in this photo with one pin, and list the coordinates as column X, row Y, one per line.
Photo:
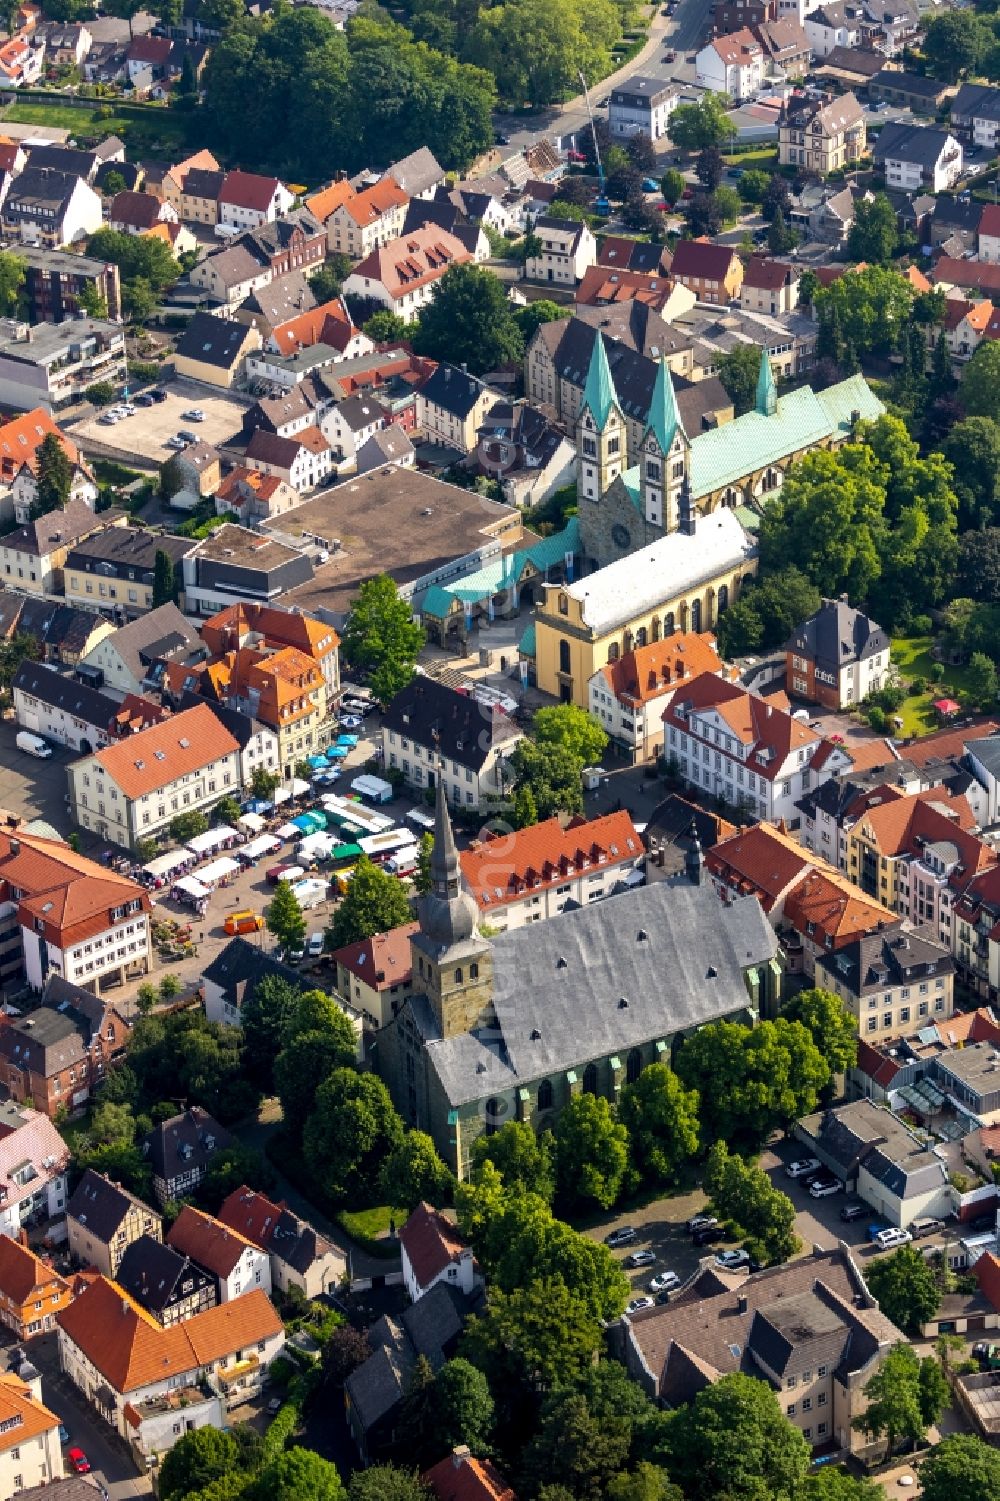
column 680, row 478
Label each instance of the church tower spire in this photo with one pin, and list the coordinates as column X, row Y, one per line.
column 600, row 427
column 665, row 454
column 767, row 395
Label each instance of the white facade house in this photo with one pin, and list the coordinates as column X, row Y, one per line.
column 247, row 200
column 238, row 1266
column 828, row 26
column 917, row 158
column 30, row 1451
column 732, row 65
column 432, row 1251
column 641, row 106
column 34, row 1161
column 567, row 250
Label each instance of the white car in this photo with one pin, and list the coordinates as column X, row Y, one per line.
column 802, row 1167
column 316, row 944
column 638, row 1304
column 664, row 1282
column 887, row 1239
column 824, row 1187
column 733, row 1261
column 193, row 414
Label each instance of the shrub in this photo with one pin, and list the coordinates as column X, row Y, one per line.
column 917, row 685
column 922, row 625
column 100, row 393
column 878, row 720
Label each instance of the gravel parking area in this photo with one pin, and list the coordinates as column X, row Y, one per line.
column 146, row 433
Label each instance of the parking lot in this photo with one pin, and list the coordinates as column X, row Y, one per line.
column 145, row 434
column 33, row 788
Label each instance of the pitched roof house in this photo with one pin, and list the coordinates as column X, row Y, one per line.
column 180, row 1151
column 403, row 274
column 236, row 1263
column 31, row 1292
column 300, row 1257
column 164, row 1282
column 433, row 1251
column 713, row 272
column 103, row 1219
column 459, row 1477
column 55, row 1056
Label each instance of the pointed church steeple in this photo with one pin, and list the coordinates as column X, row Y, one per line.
column 767, row 395
column 600, row 439
column 444, row 856
column 664, row 416
column 664, row 458
column 447, row 914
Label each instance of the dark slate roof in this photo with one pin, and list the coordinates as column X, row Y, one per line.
column 453, row 390
column 203, row 182
column 359, row 412
column 876, row 960
column 837, row 635
column 417, row 172
column 152, row 1274
column 61, row 690
column 127, row 547
column 212, row 341
column 799, row 1333
column 987, row 753
column 466, row 730
column 389, row 445
column 910, row 143
column 281, row 299
column 439, row 210
column 44, row 1041
column 427, row 1328
column 62, row 159
column 916, row 1175
column 39, row 188
column 185, row 1143
column 914, row 83
column 976, row 101
column 60, row 627
column 101, row 1206
column 590, row 982
column 669, row 830
column 863, row 1132
column 241, row 965
column 956, row 215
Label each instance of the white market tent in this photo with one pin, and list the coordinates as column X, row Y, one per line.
column 165, row 865
column 281, row 795
column 262, row 845
column 299, row 788
column 193, row 888
column 252, row 822
column 212, row 839
column 218, row 871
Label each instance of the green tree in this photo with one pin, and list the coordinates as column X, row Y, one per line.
column 195, row 1460
column 298, row 1473
column 952, row 44
column 661, row 1118
column 327, row 280
column 979, row 565
column 550, row 775
column 776, row 196
column 695, row 126
column 470, row 320
column 522, row 1240
column 188, row 826
column 285, row 919
column 263, row 783
column 734, row 1441
column 752, row 187
column 871, row 307
column 767, row 612
column 385, row 327
column 525, row 808
column 738, row 371
column 873, row 235
column 591, row 1152
column 439, row 1412
column 228, row 1170
column 573, row 730
column 523, row 1159
column 645, row 1483
column 830, row 1484
column 780, row 237
column 113, row 183
column 672, row 185
column 538, row 1337
column 165, row 588
column 760, row 1213
column 750, row 1080
column 422, row 881
column 829, row 521
column 728, row 204
column 382, row 637
column 894, row 1400
column 980, row 389
column 353, row 1128
column 935, row 1393
column 226, row 810
column 972, row 448
column 344, row 1351
column 573, row 1448
column 961, row 1468
column 12, row 274
column 981, row 684
column 413, row 1172
column 830, row 1025
column 710, row 168
column 305, row 1062
column 54, row 478
column 138, row 300
column 534, row 314
column 137, row 257
column 375, row 902
column 263, row 1016
column 387, row 1483
column 535, row 48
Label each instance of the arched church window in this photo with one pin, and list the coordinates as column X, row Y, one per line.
column 668, row 623
column 640, row 636
column 564, row 662
column 563, row 605
column 590, row 1079
column 656, row 628
column 633, row 1066
column 723, row 597
column 613, row 652
column 696, row 615
column 545, row 1095
column 458, row 977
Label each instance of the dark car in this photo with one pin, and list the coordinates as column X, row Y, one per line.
column 158, row 395
column 706, row 1235
column 855, row 1211
column 500, row 139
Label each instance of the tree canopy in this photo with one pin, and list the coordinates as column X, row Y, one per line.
column 662, row 1121
column 906, row 1288
column 750, row 1080
column 734, row 1440
column 375, row 902
column 381, row 636
column 592, row 1152
column 535, row 49
column 469, row 320
column 351, row 1131
column 961, row 1468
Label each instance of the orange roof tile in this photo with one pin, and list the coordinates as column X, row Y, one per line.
column 904, row 825
column 649, row 671
column 463, row 1478
column 825, row 906
column 323, row 203
column 383, row 960
column 917, row 279
column 947, row 742
column 502, row 868
column 22, row 1416
column 761, row 724
column 70, row 895
column 131, row 1350
column 431, row 1242
column 155, row 757
column 209, row 1242
column 987, row 1273
column 409, row 263
column 761, row 860
column 22, row 1272
column 312, row 326
column 21, row 438
column 369, row 206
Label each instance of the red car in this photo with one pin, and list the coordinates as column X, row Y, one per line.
column 79, row 1461
column 575, row 156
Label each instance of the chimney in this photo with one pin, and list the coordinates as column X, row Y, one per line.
column 460, row 1455
column 741, row 1303
column 15, row 846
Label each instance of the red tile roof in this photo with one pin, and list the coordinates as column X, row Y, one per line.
column 248, row 190
column 877, row 1065
column 649, row 671
column 383, row 960
column 209, row 1242
column 409, row 263
column 987, row 1273
column 944, row 744
column 330, row 323
column 601, row 285
column 502, row 868
column 371, row 205
column 761, row 860
column 761, row 724
column 904, row 825
column 71, row 896
column 459, row 1477
column 979, row 274
column 702, row 260
column 155, row 757
column 431, row 1243
column 22, row 1272
column 769, row 275
column 830, row 911
column 989, row 221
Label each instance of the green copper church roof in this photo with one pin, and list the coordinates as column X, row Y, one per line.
column 767, row 395
column 502, row 573
column 664, row 417
column 599, row 393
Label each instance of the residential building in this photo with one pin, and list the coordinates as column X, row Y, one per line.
column 539, row 994
column 64, row 915
column 837, row 657
column 254, row 625
column 299, row 1256
column 253, row 496
column 232, row 276
column 236, row 1264
column 50, row 365
column 916, row 156
column 628, row 695
column 989, row 234
column 349, row 424
column 770, row 286
column 831, row 27
column 129, row 1367
column 49, row 208
column 117, row 567
column 199, row 468
column 368, row 219
column 102, row 1221
column 714, row 273
column 34, row 1164
column 732, row 64
column 131, row 791
column 127, row 657
column 882, row 1070
column 822, row 133
column 810, row 1330
column 675, row 826
column 57, row 1055
column 420, row 174
column 877, row 1157
column 247, row 200
column 433, row 1251
column 975, row 111
column 402, row 275
column 375, row 974
column 641, row 106
column 435, row 733
column 976, row 943
column 212, row 350
column 21, row 61
column 451, row 407
column 164, row 1282
column 728, row 15
column 966, row 324
column 31, row 1292
column 58, row 705
column 235, row 565
column 526, row 453
column 460, row 1477
column 748, row 750
column 531, row 874
column 913, row 91
column 787, row 53
column 30, row 1451
column 180, row 1151
column 131, row 212
column 891, row 981
column 282, row 689
column 567, row 250
column 328, row 324
column 54, row 281
column 233, row 975
column 602, row 286
column 302, row 462
column 33, row 556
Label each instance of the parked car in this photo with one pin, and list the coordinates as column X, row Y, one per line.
column 575, row 156
column 650, row 185
column 107, row 419
column 182, row 432
column 79, row 1461
column 193, row 414
column 670, row 57
column 928, row 1226
column 145, row 400
column 891, row 1237
column 640, row 1258
column 822, row 1188
column 733, row 1261
column 700, row 1222
column 638, row 1304
column 623, row 1236
column 176, row 442
column 500, row 139
column 158, row 395
column 664, row 1282
column 802, row 1166
column 855, row 1211
column 316, row 945
column 707, row 1234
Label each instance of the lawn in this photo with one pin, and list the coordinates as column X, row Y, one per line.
column 370, row 1227
column 137, row 126
column 760, row 158
column 912, row 656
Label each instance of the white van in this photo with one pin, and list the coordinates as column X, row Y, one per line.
column 33, row 745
